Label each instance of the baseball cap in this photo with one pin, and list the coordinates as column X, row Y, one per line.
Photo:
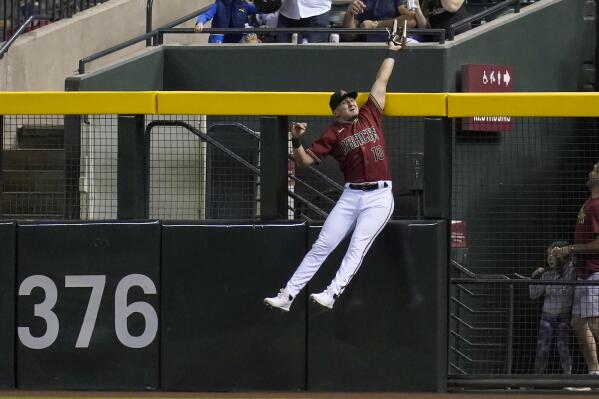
column 339, row 96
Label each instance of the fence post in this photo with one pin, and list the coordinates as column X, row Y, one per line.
column 437, row 167
column 72, row 150
column 132, row 170
column 1, row 163
column 273, row 167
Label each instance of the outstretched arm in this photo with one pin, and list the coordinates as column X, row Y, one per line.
column 379, row 88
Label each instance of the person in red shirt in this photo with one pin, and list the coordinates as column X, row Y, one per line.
column 356, row 141
column 585, row 309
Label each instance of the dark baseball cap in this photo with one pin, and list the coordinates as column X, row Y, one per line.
column 339, row 96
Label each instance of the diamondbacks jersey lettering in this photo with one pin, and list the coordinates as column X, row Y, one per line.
column 358, row 147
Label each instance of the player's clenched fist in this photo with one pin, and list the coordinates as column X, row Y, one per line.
column 298, row 129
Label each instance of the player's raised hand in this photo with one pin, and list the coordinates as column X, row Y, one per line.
column 397, row 42
column 298, row 129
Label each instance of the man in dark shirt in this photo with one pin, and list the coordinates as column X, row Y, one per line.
column 357, row 142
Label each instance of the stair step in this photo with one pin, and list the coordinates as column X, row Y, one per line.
column 33, row 180
column 28, row 159
column 32, row 203
column 40, row 136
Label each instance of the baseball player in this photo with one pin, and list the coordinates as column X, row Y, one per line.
column 356, row 141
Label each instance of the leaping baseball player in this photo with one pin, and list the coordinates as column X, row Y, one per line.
column 356, row 141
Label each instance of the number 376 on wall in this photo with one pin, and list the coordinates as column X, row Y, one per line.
column 122, row 310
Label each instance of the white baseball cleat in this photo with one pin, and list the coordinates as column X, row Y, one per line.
column 282, row 301
column 325, row 299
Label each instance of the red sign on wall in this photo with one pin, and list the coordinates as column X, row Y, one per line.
column 477, row 78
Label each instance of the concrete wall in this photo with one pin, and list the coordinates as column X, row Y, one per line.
column 42, row 59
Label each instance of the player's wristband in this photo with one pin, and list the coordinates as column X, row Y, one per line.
column 295, row 142
column 391, row 54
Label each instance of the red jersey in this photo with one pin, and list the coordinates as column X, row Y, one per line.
column 587, row 230
column 358, row 147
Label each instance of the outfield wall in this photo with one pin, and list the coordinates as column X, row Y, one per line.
column 178, row 306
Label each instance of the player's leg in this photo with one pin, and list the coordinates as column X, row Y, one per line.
column 376, row 210
column 337, row 225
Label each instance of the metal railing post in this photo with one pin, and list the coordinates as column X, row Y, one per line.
column 273, row 165
column 149, row 7
column 510, row 330
column 1, row 156
column 132, row 169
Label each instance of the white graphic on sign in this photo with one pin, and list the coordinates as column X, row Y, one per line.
column 506, row 77
column 485, row 79
column 493, row 77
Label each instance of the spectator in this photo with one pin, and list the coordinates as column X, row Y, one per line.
column 440, row 14
column 377, row 14
column 557, row 307
column 304, row 14
column 585, row 309
column 226, row 14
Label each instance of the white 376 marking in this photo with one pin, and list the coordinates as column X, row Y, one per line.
column 122, row 310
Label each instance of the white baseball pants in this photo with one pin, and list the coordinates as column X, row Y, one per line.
column 366, row 212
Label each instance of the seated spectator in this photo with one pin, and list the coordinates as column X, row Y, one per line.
column 373, row 14
column 226, row 14
column 557, row 307
column 304, row 14
column 441, row 14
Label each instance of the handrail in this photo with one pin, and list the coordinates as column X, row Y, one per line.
column 440, row 33
column 16, row 35
column 311, row 188
column 474, row 311
column 489, row 11
column 529, row 281
column 204, row 137
column 475, row 344
column 476, row 276
column 149, row 7
column 135, row 40
column 324, row 177
column 317, row 172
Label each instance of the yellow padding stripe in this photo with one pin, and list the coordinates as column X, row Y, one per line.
column 77, row 103
column 267, row 103
column 523, row 104
column 416, row 104
column 243, row 103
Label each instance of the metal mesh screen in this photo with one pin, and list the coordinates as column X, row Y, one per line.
column 33, row 167
column 98, row 188
column 191, row 177
column 513, row 194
